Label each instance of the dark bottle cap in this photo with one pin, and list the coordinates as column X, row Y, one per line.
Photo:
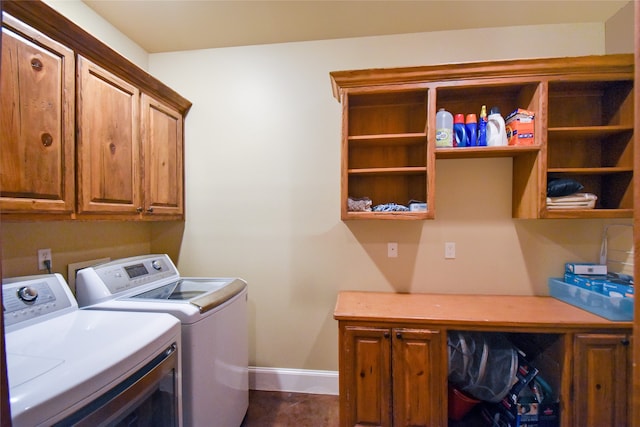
column 494, row 110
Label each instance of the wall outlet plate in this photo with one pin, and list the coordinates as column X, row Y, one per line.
column 392, row 250
column 44, row 255
column 449, row 250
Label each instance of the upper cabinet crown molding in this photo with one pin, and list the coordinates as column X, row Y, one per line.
column 609, row 64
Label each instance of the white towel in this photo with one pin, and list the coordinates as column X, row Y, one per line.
column 573, row 201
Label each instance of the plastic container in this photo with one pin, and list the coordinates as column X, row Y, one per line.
column 459, row 131
column 460, row 403
column 496, row 129
column 444, row 128
column 612, row 308
column 483, row 365
column 482, row 127
column 471, row 123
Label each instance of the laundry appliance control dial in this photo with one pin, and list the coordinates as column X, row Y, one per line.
column 28, row 294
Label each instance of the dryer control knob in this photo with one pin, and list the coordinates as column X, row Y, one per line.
column 156, row 264
column 27, row 294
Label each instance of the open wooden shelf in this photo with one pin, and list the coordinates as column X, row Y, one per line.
column 583, row 109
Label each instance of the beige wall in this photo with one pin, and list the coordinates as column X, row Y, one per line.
column 262, row 190
column 263, row 170
column 619, row 31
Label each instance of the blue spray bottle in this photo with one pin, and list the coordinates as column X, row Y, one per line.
column 482, row 126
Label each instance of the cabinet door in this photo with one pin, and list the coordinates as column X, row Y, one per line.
column 365, row 376
column 36, row 129
column 601, row 390
column 162, row 144
column 417, row 386
column 108, row 142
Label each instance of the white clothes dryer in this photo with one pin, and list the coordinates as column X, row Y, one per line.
column 68, row 366
column 213, row 314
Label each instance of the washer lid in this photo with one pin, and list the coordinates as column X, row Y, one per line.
column 204, row 293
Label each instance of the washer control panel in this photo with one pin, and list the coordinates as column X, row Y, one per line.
column 129, row 273
column 31, row 297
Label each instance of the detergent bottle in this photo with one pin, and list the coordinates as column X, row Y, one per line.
column 496, row 130
column 459, row 131
column 444, row 128
column 482, row 127
column 471, row 123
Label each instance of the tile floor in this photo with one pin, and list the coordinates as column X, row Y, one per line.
column 283, row 409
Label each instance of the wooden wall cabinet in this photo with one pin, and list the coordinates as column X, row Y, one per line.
column 126, row 134
column 36, row 122
column 129, row 148
column 583, row 110
column 393, row 355
column 162, row 147
column 109, row 153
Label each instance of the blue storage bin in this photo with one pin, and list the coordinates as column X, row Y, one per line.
column 610, row 308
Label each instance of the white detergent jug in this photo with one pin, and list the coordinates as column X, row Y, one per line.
column 496, row 130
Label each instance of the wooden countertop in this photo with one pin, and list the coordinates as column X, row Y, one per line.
column 468, row 311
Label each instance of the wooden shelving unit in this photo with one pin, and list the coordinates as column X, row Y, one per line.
column 583, row 110
column 386, row 145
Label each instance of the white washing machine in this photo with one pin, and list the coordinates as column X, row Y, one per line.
column 68, row 366
column 213, row 314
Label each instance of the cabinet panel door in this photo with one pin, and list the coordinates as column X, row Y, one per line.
column 365, row 377
column 108, row 142
column 417, row 389
column 36, row 129
column 162, row 144
column 601, row 373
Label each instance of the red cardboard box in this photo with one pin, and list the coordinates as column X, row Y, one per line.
column 520, row 126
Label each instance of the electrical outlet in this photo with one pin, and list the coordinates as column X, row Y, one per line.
column 44, row 255
column 450, row 250
column 392, row 250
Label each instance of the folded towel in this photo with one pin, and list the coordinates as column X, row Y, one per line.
column 573, row 201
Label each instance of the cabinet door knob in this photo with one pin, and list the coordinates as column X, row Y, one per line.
column 625, row 342
column 150, row 210
column 36, row 64
column 139, row 209
column 46, row 139
column 399, row 335
column 386, row 335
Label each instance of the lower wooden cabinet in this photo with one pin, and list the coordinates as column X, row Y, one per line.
column 391, row 377
column 416, row 366
column 602, row 368
column 393, row 355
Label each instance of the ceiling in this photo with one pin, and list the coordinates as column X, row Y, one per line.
column 174, row 25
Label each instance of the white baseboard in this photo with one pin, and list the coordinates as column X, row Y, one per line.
column 293, row 380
